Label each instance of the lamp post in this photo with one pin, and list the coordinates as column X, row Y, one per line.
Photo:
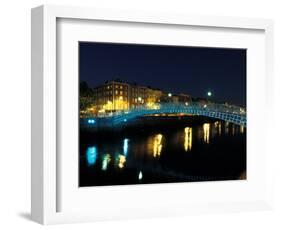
column 170, row 97
column 139, row 101
column 209, row 95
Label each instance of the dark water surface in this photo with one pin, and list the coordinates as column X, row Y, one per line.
column 180, row 153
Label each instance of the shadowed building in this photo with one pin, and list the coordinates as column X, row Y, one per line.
column 185, row 98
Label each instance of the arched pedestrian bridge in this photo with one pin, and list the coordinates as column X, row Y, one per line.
column 229, row 113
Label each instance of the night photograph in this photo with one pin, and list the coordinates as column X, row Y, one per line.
column 161, row 114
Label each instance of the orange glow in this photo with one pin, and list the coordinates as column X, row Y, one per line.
column 187, row 139
column 206, row 130
column 121, row 161
column 157, row 145
column 242, row 128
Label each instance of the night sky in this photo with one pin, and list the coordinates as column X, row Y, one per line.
column 174, row 69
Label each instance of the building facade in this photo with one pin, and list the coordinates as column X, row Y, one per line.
column 114, row 96
column 111, row 96
column 119, row 96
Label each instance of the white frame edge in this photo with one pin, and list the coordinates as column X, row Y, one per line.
column 43, row 86
column 37, row 115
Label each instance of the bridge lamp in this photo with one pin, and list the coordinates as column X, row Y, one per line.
column 169, row 94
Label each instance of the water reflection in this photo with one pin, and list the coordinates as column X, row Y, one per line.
column 121, row 159
column 157, row 145
column 160, row 154
column 242, row 128
column 140, row 175
column 187, row 139
column 206, row 130
column 91, row 155
column 226, row 127
column 218, row 128
column 125, row 146
column 105, row 161
column 233, row 130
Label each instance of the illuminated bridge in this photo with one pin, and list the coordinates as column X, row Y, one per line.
column 229, row 113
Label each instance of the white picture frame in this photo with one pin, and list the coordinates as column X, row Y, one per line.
column 45, row 90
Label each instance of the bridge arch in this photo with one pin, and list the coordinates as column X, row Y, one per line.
column 230, row 114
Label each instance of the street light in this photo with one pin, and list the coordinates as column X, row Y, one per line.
column 169, row 94
column 209, row 93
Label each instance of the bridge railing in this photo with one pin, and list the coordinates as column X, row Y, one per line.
column 161, row 107
column 229, row 113
column 174, row 106
column 208, row 106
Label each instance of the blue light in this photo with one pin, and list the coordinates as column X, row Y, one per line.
column 91, row 121
column 125, row 146
column 125, row 120
column 91, row 155
column 105, row 162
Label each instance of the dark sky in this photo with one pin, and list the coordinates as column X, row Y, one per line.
column 174, row 69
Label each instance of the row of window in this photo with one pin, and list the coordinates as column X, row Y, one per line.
column 109, row 100
column 133, row 89
column 116, row 87
column 120, row 94
column 140, row 93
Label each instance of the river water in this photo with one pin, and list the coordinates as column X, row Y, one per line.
column 209, row 151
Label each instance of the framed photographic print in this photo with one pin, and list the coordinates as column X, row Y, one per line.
column 140, row 114
column 159, row 120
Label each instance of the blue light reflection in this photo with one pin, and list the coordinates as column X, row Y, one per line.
column 91, row 121
column 92, row 154
column 125, row 146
